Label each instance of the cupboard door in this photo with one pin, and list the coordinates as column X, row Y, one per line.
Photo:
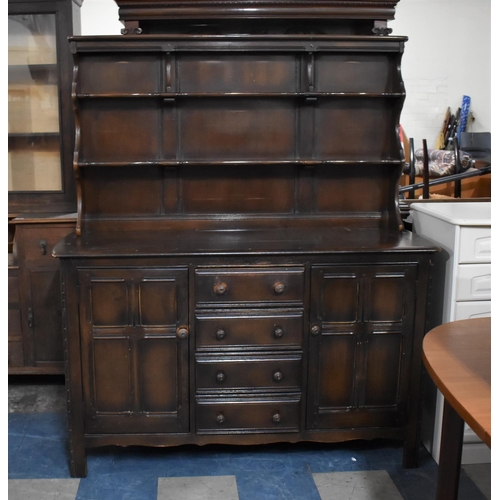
column 360, row 345
column 134, row 327
column 44, row 317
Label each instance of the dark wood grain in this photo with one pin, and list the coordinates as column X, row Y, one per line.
column 239, row 272
column 37, row 324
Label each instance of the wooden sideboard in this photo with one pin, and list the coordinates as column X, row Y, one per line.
column 35, row 311
column 239, row 272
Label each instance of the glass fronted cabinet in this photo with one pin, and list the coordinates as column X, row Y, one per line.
column 41, row 184
column 40, row 128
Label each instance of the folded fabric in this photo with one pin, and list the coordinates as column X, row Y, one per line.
column 441, row 162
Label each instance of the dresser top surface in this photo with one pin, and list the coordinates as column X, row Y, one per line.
column 201, row 242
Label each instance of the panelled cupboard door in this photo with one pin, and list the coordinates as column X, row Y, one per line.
column 134, row 335
column 360, row 345
column 44, row 318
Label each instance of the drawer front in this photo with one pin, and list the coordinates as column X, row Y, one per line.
column 475, row 244
column 39, row 242
column 237, row 417
column 249, row 286
column 475, row 309
column 248, row 372
column 473, row 282
column 249, row 328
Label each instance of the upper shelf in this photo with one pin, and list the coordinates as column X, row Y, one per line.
column 304, row 95
column 339, row 67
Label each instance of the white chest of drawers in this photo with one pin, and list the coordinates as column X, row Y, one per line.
column 463, row 231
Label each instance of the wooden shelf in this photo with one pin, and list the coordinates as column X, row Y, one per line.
column 178, row 163
column 166, row 95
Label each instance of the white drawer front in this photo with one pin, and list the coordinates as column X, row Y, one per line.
column 469, row 310
column 473, row 282
column 475, row 244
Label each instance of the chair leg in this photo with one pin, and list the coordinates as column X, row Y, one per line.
column 426, row 193
column 412, row 168
column 458, row 182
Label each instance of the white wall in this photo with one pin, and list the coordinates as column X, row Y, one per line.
column 100, row 17
column 447, row 55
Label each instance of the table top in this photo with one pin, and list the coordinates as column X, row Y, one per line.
column 457, row 356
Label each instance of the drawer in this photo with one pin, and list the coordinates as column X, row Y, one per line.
column 257, row 416
column 475, row 309
column 243, row 371
column 248, row 328
column 473, row 282
column 248, row 286
column 475, row 244
column 39, row 241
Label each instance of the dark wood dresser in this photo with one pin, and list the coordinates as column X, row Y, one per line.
column 239, row 272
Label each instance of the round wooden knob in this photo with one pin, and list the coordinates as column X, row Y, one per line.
column 277, row 376
column 278, row 332
column 220, row 334
column 315, row 329
column 182, row 332
column 279, row 288
column 220, row 418
column 277, row 418
column 220, row 288
column 220, row 377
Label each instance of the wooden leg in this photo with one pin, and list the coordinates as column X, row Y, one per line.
column 450, row 457
column 71, row 331
column 78, row 461
column 410, row 453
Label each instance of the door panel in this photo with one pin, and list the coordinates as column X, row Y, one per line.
column 46, row 317
column 362, row 321
column 133, row 361
column 157, row 302
column 111, row 361
column 337, row 364
column 110, row 303
column 383, row 364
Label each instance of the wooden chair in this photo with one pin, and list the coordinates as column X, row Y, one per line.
column 428, row 181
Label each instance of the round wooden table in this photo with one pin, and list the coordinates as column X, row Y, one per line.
column 457, row 356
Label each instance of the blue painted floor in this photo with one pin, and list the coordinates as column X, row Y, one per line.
column 37, row 450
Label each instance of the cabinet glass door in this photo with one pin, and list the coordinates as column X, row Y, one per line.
column 34, row 135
